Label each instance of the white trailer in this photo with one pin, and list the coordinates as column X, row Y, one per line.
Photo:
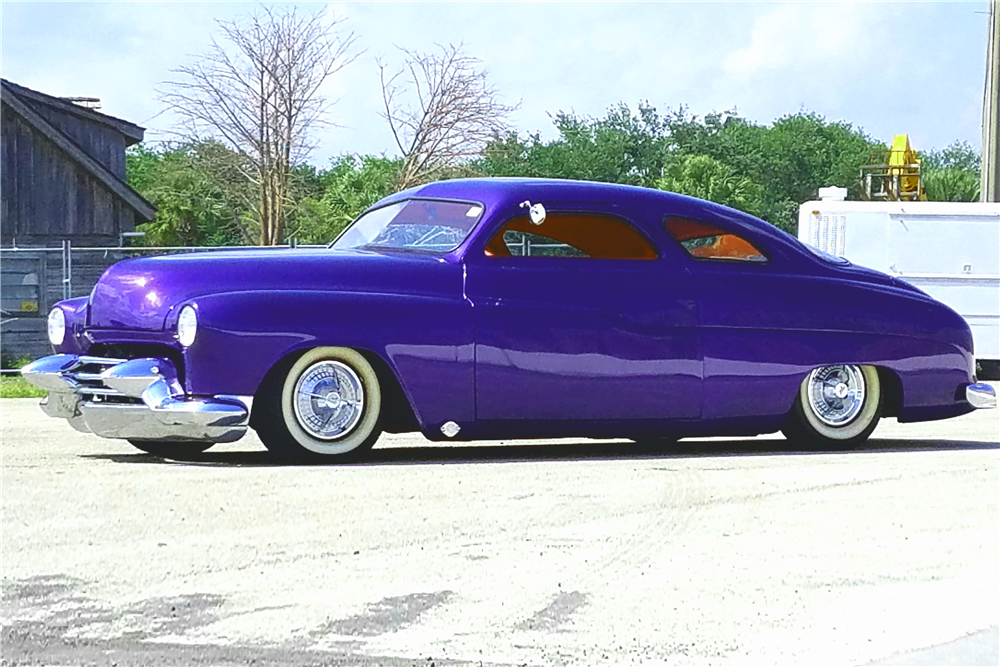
column 949, row 250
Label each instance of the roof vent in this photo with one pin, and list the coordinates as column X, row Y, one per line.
column 833, row 194
column 92, row 103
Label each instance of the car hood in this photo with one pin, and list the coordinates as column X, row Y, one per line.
column 140, row 293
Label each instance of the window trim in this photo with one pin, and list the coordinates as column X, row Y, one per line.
column 768, row 258
column 650, row 241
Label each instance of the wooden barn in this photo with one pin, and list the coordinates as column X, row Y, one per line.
column 62, row 174
column 62, row 179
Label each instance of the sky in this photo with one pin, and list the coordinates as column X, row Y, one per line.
column 888, row 68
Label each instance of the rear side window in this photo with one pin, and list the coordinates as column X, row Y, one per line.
column 585, row 235
column 704, row 241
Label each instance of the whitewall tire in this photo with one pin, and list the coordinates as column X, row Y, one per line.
column 836, row 406
column 327, row 404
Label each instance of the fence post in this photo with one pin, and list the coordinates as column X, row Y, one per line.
column 65, row 268
column 69, row 268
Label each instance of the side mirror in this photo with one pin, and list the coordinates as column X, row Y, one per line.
column 536, row 212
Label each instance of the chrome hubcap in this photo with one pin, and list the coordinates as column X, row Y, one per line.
column 329, row 400
column 836, row 394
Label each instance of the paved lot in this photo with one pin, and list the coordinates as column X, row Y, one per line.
column 569, row 552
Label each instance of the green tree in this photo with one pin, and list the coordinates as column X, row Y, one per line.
column 958, row 154
column 706, row 178
column 951, row 184
column 952, row 173
column 766, row 170
column 348, row 187
column 141, row 165
column 790, row 159
column 188, row 186
column 623, row 147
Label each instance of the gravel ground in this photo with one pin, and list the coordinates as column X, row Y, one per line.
column 565, row 552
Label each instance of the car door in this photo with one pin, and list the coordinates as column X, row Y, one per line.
column 755, row 338
column 582, row 327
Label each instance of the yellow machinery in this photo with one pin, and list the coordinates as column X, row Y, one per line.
column 894, row 175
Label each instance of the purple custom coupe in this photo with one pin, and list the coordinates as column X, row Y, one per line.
column 496, row 308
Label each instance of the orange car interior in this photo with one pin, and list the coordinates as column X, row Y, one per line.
column 597, row 236
column 725, row 245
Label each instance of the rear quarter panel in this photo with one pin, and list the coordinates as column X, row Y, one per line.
column 764, row 330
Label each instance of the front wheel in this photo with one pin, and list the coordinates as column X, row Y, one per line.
column 326, row 406
column 836, row 407
column 171, row 450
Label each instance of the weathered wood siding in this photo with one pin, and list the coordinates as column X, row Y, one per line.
column 45, row 196
column 103, row 143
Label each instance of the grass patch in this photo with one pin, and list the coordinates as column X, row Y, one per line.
column 14, row 386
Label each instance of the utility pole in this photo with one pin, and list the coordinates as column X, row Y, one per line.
column 990, row 186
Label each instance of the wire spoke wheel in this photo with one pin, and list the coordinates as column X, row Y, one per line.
column 836, row 406
column 329, row 400
column 325, row 404
column 836, row 394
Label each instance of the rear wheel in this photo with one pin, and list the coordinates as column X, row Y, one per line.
column 327, row 405
column 836, row 407
column 171, row 450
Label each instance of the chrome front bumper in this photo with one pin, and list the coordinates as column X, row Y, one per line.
column 980, row 396
column 137, row 399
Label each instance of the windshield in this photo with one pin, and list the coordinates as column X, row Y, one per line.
column 426, row 225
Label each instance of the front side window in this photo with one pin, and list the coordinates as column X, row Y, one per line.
column 704, row 241
column 570, row 235
column 425, row 225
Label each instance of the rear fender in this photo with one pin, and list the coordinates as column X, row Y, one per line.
column 756, row 373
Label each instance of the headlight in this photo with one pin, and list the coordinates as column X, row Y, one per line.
column 57, row 326
column 187, row 326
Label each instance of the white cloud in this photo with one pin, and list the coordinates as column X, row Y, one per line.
column 803, row 34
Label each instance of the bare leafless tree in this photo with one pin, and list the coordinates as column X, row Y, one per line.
column 259, row 93
column 442, row 112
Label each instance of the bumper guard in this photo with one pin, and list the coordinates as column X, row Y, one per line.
column 981, row 395
column 137, row 399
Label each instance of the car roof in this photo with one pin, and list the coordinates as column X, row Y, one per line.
column 497, row 192
column 500, row 193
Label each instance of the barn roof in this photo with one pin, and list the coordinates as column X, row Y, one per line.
column 20, row 100
column 132, row 132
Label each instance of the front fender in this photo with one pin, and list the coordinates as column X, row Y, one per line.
column 427, row 341
column 75, row 311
